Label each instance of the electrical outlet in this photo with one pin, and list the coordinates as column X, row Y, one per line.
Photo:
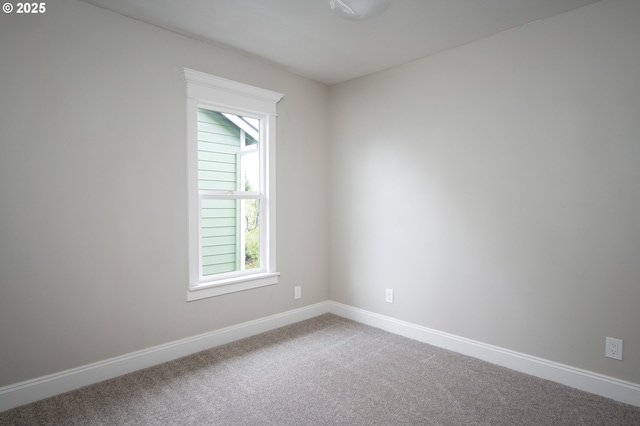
column 613, row 348
column 389, row 295
column 297, row 292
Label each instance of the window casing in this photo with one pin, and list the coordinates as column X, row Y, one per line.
column 251, row 113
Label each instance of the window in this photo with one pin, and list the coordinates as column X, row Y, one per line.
column 231, row 192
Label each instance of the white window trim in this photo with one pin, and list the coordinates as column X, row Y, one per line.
column 215, row 92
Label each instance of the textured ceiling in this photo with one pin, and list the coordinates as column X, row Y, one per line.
column 304, row 37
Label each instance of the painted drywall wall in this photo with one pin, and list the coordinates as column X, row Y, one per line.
column 496, row 188
column 93, row 215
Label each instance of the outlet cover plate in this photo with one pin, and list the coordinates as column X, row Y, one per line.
column 297, row 292
column 613, row 348
column 389, row 295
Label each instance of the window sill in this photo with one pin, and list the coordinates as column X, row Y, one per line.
column 232, row 285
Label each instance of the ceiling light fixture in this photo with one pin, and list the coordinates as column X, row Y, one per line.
column 358, row 10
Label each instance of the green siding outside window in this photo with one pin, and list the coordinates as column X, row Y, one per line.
column 218, row 169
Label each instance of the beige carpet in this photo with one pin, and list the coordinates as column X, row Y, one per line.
column 325, row 371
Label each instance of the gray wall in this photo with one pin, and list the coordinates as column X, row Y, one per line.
column 496, row 188
column 93, row 215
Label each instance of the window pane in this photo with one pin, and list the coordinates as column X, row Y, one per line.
column 228, row 152
column 229, row 161
column 230, row 235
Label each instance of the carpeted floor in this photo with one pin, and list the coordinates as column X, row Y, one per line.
column 325, row 371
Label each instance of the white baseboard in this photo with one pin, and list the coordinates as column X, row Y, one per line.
column 609, row 387
column 44, row 387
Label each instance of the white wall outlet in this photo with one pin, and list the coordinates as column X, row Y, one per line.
column 389, row 295
column 613, row 348
column 297, row 292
